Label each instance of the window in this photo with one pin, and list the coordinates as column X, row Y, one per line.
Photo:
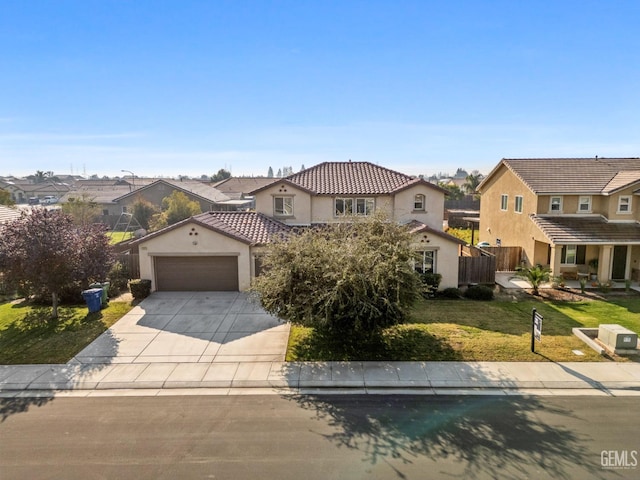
column 584, row 205
column 426, row 262
column 124, row 209
column 518, row 205
column 624, row 204
column 504, row 202
column 353, row 206
column 283, row 206
column 555, row 205
column 105, row 212
column 573, row 254
column 418, row 202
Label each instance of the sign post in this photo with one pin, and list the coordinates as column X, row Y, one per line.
column 536, row 329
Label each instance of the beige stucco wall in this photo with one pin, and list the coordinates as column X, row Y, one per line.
column 446, row 256
column 513, row 229
column 434, row 206
column 302, row 209
column 184, row 241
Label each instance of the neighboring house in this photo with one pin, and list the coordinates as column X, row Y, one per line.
column 104, row 196
column 209, row 198
column 238, row 189
column 221, row 250
column 566, row 213
column 22, row 190
column 207, row 252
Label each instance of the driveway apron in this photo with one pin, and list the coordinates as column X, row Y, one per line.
column 191, row 327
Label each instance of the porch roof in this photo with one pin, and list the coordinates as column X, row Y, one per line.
column 587, row 230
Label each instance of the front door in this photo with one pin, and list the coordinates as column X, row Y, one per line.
column 619, row 267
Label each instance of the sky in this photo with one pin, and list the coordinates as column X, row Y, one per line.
column 168, row 88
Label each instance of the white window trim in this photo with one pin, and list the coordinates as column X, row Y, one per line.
column 588, row 202
column 574, row 253
column 551, row 210
column 419, row 197
column 504, row 202
column 354, row 212
column 434, row 251
column 515, row 204
column 628, row 204
column 284, row 197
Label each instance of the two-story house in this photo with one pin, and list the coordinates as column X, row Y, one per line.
column 572, row 214
column 204, row 252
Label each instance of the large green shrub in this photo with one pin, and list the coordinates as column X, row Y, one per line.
column 349, row 280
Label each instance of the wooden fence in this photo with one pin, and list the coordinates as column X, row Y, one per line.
column 132, row 262
column 479, row 269
column 507, row 258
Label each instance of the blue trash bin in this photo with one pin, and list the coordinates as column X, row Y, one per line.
column 93, row 297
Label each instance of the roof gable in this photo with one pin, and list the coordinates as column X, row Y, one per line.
column 571, row 175
column 191, row 188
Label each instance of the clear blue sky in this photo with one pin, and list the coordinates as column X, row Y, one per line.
column 189, row 87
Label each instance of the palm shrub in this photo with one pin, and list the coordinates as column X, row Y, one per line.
column 536, row 276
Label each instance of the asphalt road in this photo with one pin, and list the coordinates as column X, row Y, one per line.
column 319, row 437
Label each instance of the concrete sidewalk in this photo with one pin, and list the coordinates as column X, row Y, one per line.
column 593, row 378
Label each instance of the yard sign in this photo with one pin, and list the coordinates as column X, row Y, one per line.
column 536, row 329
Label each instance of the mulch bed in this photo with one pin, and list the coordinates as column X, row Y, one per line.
column 575, row 295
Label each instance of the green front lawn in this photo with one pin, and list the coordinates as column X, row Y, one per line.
column 465, row 330
column 27, row 335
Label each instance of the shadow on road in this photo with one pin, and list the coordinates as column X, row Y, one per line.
column 485, row 437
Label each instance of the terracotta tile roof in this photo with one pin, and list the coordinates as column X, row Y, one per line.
column 587, row 230
column 351, row 178
column 249, row 227
column 572, row 175
column 418, row 227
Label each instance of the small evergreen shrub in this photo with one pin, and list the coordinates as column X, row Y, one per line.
column 479, row 292
column 430, row 283
column 118, row 278
column 140, row 288
column 451, row 292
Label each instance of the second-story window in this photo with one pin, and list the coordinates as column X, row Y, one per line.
column 504, row 202
column 354, row 206
column 283, row 206
column 518, row 204
column 584, row 204
column 418, row 202
column 624, row 204
column 555, row 205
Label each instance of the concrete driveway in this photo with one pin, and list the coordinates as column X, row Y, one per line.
column 191, row 327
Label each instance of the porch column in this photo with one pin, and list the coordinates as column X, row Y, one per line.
column 554, row 261
column 604, row 263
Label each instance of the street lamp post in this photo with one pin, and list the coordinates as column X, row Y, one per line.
column 133, row 178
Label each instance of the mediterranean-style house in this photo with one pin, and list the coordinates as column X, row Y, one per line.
column 221, row 250
column 579, row 216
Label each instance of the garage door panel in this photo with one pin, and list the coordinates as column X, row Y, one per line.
column 215, row 273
